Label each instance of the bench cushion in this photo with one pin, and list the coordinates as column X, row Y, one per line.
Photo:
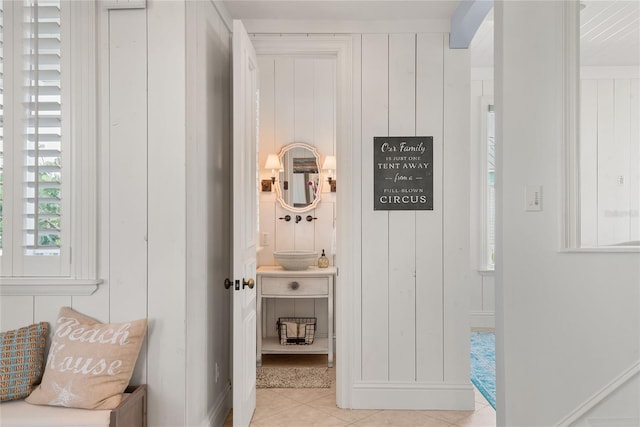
column 19, row 413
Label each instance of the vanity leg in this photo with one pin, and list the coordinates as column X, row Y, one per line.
column 330, row 325
column 259, row 322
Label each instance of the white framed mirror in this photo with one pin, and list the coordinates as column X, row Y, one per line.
column 299, row 183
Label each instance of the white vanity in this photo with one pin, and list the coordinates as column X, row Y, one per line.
column 275, row 282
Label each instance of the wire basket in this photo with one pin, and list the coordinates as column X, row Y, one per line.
column 296, row 330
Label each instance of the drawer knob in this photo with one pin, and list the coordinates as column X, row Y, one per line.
column 294, row 285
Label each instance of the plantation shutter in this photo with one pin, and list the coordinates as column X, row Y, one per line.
column 48, row 146
column 1, row 120
column 34, row 226
column 491, row 186
column 43, row 143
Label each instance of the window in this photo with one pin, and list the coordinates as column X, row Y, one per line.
column 603, row 157
column 488, row 183
column 490, row 207
column 43, row 137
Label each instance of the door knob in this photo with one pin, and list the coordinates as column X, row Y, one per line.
column 227, row 283
column 248, row 283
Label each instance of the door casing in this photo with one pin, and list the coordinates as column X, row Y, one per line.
column 347, row 209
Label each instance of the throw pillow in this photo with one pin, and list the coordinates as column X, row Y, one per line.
column 90, row 363
column 22, row 360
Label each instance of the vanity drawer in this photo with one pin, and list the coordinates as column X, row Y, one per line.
column 295, row 286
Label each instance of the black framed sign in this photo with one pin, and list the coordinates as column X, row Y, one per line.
column 403, row 173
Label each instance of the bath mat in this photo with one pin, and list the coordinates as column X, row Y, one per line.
column 483, row 364
column 280, row 377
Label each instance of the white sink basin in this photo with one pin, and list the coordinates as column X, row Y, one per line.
column 296, row 260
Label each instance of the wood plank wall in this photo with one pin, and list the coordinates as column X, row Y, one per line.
column 402, row 283
column 609, row 150
column 412, row 323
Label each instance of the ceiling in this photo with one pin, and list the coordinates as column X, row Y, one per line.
column 341, row 10
column 609, row 35
column 610, row 29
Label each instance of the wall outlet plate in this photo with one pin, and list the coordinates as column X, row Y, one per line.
column 533, row 201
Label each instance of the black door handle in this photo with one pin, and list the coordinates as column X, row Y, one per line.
column 227, row 283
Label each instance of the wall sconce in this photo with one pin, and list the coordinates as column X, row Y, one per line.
column 330, row 166
column 273, row 163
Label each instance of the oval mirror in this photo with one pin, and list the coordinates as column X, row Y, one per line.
column 298, row 186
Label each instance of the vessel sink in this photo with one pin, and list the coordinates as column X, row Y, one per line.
column 296, row 260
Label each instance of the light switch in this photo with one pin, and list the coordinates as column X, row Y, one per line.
column 264, row 239
column 533, row 198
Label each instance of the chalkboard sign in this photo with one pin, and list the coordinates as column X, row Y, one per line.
column 403, row 173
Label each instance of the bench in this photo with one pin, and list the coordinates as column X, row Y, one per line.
column 131, row 412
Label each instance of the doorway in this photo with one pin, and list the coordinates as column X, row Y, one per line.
column 305, row 95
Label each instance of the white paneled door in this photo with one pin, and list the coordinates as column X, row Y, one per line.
column 245, row 110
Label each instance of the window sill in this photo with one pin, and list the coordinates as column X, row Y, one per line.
column 604, row 250
column 39, row 286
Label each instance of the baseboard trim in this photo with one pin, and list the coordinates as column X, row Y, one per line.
column 613, row 422
column 413, row 396
column 483, row 319
column 601, row 395
column 218, row 412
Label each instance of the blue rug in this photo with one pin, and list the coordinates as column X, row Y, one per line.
column 483, row 364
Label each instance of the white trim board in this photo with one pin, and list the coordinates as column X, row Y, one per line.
column 613, row 422
column 609, row 73
column 483, row 319
column 484, row 73
column 413, row 396
column 51, row 287
column 124, row 4
column 600, row 395
column 224, row 14
column 220, row 409
column 282, row 26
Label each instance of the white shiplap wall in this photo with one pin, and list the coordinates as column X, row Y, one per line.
column 414, row 297
column 610, row 156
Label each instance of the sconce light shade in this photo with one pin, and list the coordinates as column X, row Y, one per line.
column 273, row 163
column 329, row 163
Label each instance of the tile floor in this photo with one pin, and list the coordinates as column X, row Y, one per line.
column 281, row 407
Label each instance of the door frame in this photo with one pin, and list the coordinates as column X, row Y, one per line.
column 347, row 313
